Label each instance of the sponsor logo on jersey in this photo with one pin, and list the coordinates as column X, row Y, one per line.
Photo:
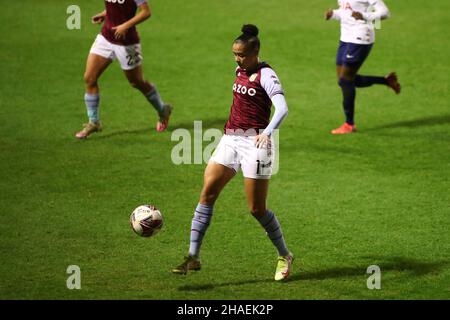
column 244, row 90
column 116, row 1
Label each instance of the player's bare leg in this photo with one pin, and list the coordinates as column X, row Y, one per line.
column 256, row 192
column 136, row 79
column 95, row 66
column 215, row 178
column 339, row 70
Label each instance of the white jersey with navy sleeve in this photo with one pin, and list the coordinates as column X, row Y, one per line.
column 359, row 31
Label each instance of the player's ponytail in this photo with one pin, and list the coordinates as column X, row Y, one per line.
column 250, row 30
column 249, row 37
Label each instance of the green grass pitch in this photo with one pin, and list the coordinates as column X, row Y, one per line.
column 378, row 197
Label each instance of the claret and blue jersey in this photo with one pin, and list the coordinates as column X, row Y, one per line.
column 118, row 12
column 252, row 94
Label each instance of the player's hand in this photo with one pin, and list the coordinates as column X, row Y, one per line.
column 328, row 14
column 120, row 31
column 357, row 15
column 262, row 140
column 97, row 19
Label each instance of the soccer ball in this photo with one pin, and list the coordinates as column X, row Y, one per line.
column 146, row 220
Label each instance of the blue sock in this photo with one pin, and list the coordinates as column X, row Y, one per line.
column 200, row 222
column 349, row 94
column 367, row 81
column 273, row 229
column 92, row 101
column 155, row 99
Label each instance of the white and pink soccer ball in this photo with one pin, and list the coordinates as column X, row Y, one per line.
column 146, row 220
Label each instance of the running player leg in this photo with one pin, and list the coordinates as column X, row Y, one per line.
column 256, row 192
column 136, row 79
column 346, row 75
column 95, row 66
column 391, row 80
column 215, row 179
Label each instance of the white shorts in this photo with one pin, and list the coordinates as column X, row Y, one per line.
column 240, row 152
column 129, row 57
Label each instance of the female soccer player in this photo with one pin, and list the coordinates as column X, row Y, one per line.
column 119, row 40
column 357, row 38
column 246, row 145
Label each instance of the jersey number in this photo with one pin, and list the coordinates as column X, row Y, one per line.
column 261, row 167
column 133, row 59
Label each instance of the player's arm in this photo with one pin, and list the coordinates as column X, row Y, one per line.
column 281, row 111
column 381, row 12
column 143, row 14
column 99, row 18
column 273, row 88
column 333, row 14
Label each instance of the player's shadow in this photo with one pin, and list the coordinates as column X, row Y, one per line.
column 428, row 121
column 408, row 266
column 112, row 134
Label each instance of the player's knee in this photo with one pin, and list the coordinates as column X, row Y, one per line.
column 137, row 84
column 257, row 211
column 343, row 82
column 134, row 84
column 208, row 197
column 90, row 80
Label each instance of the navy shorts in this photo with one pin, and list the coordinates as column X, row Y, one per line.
column 351, row 54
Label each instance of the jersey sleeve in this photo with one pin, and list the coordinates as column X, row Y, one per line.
column 281, row 111
column 337, row 14
column 139, row 2
column 381, row 11
column 270, row 82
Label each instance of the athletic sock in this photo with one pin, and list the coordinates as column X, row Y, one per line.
column 367, row 81
column 200, row 222
column 155, row 99
column 349, row 94
column 92, row 102
column 273, row 229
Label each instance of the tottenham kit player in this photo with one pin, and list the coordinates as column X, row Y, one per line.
column 246, row 145
column 119, row 40
column 357, row 19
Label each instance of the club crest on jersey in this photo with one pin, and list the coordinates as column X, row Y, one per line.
column 253, row 77
column 346, row 6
